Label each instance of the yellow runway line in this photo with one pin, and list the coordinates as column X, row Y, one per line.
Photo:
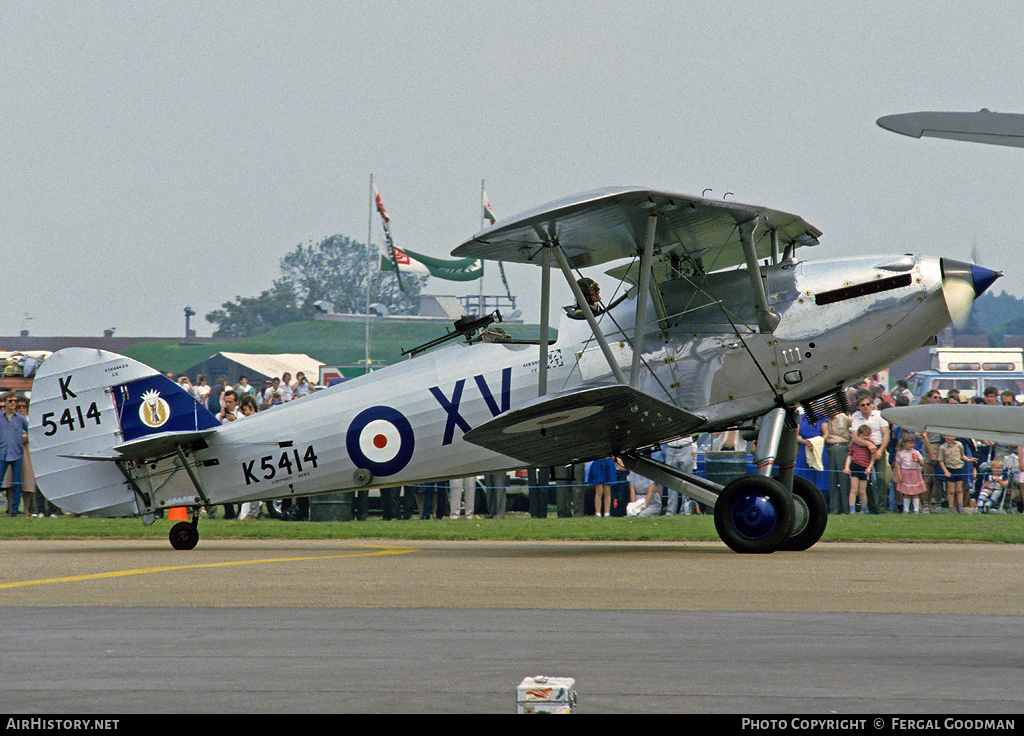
column 171, row 568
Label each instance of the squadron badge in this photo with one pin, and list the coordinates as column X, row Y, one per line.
column 154, row 411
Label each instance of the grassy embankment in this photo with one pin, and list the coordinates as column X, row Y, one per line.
column 333, row 343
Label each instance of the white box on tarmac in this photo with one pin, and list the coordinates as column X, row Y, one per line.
column 546, row 695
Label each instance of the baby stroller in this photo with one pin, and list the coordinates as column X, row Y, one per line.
column 992, row 497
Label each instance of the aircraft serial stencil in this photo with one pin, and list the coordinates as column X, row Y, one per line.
column 723, row 325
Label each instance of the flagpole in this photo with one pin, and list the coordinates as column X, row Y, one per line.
column 369, row 273
column 480, row 308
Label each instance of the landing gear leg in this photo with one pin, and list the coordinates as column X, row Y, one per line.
column 185, row 534
column 754, row 513
column 768, row 439
column 787, row 450
column 810, row 513
column 759, row 514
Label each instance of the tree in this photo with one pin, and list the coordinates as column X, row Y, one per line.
column 995, row 314
column 336, row 270
column 333, row 270
column 248, row 316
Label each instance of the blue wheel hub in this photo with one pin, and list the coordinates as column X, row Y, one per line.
column 754, row 516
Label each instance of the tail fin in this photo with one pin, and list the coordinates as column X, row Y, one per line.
column 88, row 407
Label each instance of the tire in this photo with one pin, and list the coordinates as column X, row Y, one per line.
column 753, row 515
column 274, row 509
column 813, row 518
column 184, row 535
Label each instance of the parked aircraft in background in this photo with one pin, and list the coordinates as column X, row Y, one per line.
column 984, row 126
column 993, row 423
column 723, row 325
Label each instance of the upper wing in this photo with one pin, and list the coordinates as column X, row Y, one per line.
column 607, row 224
column 984, row 126
column 1003, row 424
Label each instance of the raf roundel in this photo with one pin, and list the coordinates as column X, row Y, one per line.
column 380, row 439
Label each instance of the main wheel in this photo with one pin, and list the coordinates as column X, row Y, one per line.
column 811, row 516
column 753, row 515
column 184, row 535
column 274, row 510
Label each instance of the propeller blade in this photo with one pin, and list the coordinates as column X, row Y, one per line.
column 962, row 283
column 959, row 296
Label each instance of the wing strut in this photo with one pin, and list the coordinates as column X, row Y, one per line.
column 767, row 320
column 545, row 319
column 640, row 322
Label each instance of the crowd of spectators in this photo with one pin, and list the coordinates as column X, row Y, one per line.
column 876, row 468
column 275, row 391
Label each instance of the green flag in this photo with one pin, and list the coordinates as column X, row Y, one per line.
column 460, row 269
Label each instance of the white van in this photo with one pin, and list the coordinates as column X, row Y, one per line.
column 971, row 371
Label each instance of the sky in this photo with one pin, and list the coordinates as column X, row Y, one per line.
column 161, row 155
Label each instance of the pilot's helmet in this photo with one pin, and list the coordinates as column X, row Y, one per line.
column 589, row 287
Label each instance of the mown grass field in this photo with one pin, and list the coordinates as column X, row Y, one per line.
column 996, row 529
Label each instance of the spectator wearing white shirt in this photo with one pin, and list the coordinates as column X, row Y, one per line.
column 274, row 388
column 878, row 491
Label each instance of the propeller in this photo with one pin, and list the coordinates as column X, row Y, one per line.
column 962, row 283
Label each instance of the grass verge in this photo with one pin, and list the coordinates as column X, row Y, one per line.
column 999, row 529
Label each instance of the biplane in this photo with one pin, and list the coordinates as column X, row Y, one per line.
column 724, row 325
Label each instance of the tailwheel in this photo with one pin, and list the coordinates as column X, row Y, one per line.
column 185, row 535
column 811, row 516
column 754, row 515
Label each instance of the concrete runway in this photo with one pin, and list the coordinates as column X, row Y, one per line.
column 114, row 626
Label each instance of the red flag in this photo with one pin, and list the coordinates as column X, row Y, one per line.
column 380, row 206
column 392, row 250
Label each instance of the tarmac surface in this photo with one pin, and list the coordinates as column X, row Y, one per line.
column 239, row 626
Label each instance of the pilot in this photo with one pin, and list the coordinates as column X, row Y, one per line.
column 592, row 293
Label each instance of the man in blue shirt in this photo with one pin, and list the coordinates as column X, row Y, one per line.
column 13, row 437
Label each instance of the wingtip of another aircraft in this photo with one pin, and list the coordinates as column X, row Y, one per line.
column 903, row 123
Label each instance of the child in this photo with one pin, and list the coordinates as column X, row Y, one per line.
column 858, row 461
column 601, row 475
column 907, row 474
column 993, row 488
column 641, row 488
column 953, row 462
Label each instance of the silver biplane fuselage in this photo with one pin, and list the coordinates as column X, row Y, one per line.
column 445, row 393
column 709, row 360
